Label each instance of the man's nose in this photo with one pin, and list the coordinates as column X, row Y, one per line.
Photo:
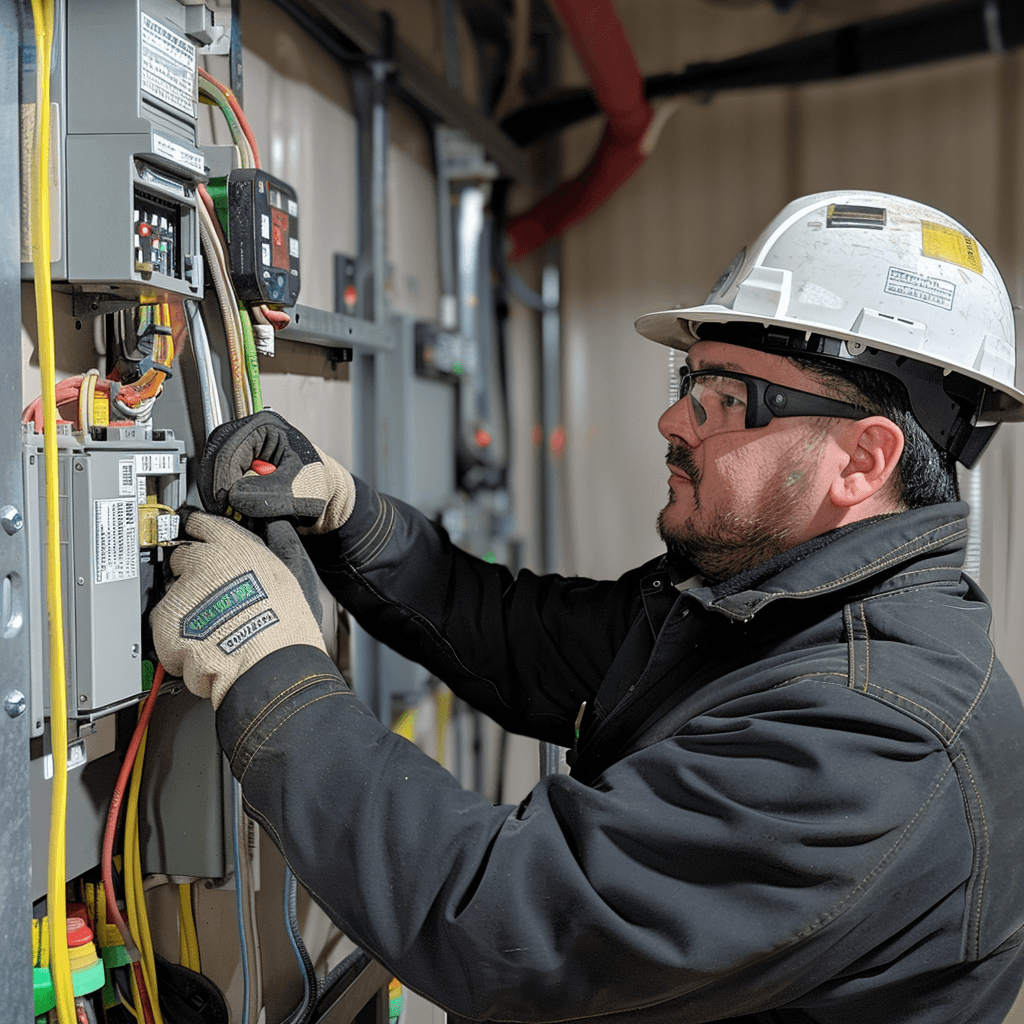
column 679, row 421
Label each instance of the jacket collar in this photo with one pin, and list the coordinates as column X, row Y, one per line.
column 843, row 558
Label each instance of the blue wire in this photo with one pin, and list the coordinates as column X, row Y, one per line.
column 290, row 886
column 236, row 789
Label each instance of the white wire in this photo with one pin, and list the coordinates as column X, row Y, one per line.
column 228, row 305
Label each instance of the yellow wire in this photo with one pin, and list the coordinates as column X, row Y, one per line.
column 189, row 937
column 135, row 897
column 444, row 698
column 124, row 1002
column 42, row 15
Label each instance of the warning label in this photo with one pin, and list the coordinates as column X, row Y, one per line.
column 179, row 154
column 944, row 243
column 115, row 540
column 168, row 66
column 154, row 463
column 908, row 285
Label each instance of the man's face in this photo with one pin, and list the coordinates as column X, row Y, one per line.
column 740, row 497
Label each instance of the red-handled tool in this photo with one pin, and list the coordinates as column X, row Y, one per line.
column 256, row 468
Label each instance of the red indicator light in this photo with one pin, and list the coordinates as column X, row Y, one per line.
column 144, row 230
column 351, row 295
column 483, row 438
column 558, row 441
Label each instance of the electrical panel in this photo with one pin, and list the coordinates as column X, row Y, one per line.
column 118, row 488
column 127, row 158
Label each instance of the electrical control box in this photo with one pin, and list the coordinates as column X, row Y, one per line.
column 126, row 158
column 263, row 237
column 118, row 489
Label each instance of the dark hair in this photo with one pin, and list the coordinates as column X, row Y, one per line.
column 926, row 475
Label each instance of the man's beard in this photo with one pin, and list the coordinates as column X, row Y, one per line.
column 732, row 541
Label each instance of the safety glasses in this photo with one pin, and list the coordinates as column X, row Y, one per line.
column 723, row 400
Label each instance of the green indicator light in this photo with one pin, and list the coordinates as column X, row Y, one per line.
column 457, row 368
column 490, row 557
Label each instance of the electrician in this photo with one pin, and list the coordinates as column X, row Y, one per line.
column 797, row 786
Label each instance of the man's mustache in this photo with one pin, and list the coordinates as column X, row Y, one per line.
column 680, row 456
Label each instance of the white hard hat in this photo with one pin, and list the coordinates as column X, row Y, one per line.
column 872, row 278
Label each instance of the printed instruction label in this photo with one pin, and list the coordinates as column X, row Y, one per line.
column 949, row 244
column 179, row 154
column 125, row 476
column 115, row 539
column 908, row 285
column 154, row 463
column 168, row 69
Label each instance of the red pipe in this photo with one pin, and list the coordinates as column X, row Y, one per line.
column 600, row 42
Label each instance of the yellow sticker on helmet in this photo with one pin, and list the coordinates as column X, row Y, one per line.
column 951, row 245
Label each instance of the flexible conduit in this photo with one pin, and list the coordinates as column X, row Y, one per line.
column 601, row 44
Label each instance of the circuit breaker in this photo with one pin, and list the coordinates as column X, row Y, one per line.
column 118, row 490
column 127, row 159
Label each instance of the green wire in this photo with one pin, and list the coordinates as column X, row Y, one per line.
column 252, row 366
column 220, row 101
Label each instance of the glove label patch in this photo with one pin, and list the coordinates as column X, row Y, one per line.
column 226, row 603
column 245, row 632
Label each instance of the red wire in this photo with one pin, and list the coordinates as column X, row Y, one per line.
column 236, row 108
column 114, row 814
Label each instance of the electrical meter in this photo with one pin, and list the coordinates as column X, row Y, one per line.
column 127, row 160
column 263, row 237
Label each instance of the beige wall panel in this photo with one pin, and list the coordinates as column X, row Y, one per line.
column 412, row 236
column 662, row 240
column 930, row 134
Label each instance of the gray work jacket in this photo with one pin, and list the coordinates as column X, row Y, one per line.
column 796, row 796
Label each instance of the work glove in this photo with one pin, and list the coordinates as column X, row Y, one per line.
column 305, row 485
column 233, row 603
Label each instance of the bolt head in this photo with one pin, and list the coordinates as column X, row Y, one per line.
column 82, row 698
column 15, row 703
column 11, row 519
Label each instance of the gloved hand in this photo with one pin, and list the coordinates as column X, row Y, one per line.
column 307, row 486
column 233, row 603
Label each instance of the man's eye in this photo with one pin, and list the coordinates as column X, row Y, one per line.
column 731, row 401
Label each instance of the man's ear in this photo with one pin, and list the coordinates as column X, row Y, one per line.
column 874, row 446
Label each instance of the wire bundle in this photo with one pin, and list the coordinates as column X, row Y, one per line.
column 214, row 93
column 135, row 400
column 143, row 970
column 245, row 384
column 76, row 396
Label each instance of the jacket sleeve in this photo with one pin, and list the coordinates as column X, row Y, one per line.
column 728, row 869
column 527, row 650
